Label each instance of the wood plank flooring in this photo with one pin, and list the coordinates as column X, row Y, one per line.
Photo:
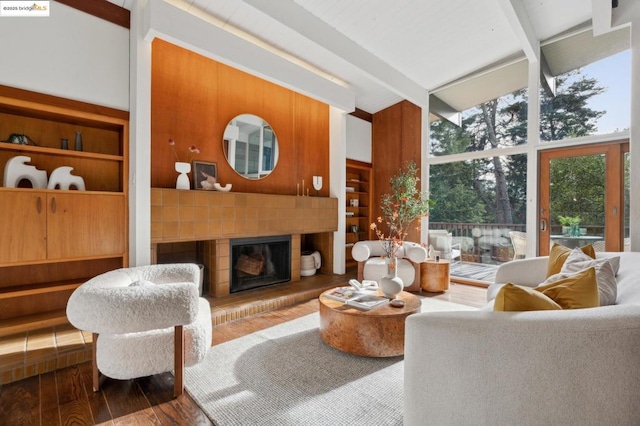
column 65, row 397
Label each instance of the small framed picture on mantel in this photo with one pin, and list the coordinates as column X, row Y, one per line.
column 205, row 175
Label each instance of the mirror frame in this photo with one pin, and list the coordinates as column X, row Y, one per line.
column 238, row 145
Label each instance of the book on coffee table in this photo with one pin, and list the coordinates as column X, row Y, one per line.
column 358, row 299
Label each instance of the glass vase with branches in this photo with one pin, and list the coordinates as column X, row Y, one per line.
column 400, row 209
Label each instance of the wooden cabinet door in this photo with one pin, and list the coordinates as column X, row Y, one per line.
column 85, row 225
column 23, row 226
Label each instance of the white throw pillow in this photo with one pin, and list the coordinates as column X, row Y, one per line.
column 614, row 260
column 605, row 276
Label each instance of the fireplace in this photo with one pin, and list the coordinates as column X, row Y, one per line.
column 259, row 261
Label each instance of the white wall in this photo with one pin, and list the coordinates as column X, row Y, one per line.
column 338, row 131
column 69, row 54
column 358, row 139
column 140, row 141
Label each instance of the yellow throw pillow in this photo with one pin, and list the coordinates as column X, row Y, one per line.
column 579, row 290
column 513, row 297
column 559, row 254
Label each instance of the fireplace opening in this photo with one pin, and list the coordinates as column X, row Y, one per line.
column 259, row 262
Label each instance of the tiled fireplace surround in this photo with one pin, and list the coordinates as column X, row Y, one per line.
column 207, row 220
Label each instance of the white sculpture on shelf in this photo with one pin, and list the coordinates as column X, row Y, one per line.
column 221, row 188
column 317, row 183
column 63, row 179
column 16, row 170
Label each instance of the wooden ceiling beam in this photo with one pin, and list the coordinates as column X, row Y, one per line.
column 363, row 115
column 103, row 10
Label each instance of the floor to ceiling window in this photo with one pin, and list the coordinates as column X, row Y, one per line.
column 479, row 169
column 481, row 202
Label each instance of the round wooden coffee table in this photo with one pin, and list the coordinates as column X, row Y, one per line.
column 378, row 332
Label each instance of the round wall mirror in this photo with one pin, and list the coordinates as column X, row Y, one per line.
column 250, row 146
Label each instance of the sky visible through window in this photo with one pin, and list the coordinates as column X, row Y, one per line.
column 614, row 74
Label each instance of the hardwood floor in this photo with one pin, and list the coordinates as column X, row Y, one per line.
column 65, row 397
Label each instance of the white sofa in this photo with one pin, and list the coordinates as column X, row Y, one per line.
column 571, row 367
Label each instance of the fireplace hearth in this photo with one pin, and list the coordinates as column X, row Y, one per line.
column 259, row 262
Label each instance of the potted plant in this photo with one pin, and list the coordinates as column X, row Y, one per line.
column 570, row 225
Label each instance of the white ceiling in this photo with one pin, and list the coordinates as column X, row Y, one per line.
column 386, row 51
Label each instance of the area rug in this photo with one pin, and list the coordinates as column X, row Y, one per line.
column 286, row 375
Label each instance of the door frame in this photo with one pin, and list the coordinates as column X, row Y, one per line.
column 614, row 190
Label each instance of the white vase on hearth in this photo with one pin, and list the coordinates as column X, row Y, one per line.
column 183, row 179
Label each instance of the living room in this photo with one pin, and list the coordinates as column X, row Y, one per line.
column 161, row 91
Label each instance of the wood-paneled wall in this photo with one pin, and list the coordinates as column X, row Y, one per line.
column 396, row 139
column 193, row 99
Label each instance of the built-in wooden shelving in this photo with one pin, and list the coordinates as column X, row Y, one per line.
column 54, row 239
column 359, row 182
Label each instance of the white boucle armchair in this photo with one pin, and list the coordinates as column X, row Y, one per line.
column 372, row 266
column 145, row 320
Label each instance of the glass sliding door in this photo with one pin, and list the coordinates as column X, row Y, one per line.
column 582, row 197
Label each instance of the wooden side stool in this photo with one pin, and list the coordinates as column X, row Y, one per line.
column 434, row 275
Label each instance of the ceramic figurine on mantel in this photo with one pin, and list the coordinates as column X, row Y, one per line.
column 182, row 182
column 317, row 184
column 183, row 179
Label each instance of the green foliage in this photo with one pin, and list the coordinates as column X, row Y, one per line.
column 404, row 205
column 567, row 114
column 455, row 198
column 578, row 188
column 569, row 220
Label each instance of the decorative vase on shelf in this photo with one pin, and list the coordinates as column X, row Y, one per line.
column 78, row 144
column 391, row 285
column 183, row 179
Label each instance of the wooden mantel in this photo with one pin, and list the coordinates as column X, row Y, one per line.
column 216, row 217
column 178, row 215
